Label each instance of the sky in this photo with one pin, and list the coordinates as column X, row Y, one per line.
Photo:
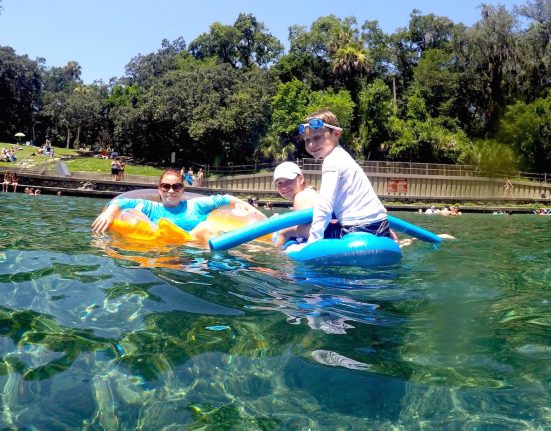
column 104, row 35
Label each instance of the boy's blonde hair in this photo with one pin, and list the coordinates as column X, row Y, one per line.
column 324, row 115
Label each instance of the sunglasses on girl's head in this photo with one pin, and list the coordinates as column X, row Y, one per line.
column 315, row 123
column 165, row 187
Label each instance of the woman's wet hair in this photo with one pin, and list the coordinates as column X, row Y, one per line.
column 172, row 172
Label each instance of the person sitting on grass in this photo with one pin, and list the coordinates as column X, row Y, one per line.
column 189, row 215
column 5, row 157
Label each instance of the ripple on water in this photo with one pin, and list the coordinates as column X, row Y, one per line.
column 113, row 337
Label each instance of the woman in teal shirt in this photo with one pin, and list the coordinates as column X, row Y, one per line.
column 186, row 214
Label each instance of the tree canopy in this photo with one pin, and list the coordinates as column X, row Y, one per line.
column 432, row 91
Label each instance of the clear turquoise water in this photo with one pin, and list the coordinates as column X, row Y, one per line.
column 90, row 338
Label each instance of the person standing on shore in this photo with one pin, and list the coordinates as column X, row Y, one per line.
column 115, row 170
column 200, row 177
column 508, row 188
column 122, row 165
column 189, row 176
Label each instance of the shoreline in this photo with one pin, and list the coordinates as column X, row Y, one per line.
column 72, row 185
column 276, row 203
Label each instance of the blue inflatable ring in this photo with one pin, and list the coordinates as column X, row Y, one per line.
column 354, row 249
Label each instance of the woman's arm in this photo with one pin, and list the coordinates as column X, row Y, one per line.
column 105, row 219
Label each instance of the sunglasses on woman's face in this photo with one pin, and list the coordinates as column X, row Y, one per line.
column 165, row 187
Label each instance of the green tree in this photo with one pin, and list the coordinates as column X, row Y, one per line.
column 438, row 81
column 62, row 79
column 242, row 45
column 375, row 112
column 350, row 63
column 429, row 32
column 124, row 95
column 73, row 71
column 52, row 116
column 289, row 107
column 337, row 45
column 527, row 129
column 487, row 55
column 326, row 35
column 201, row 113
column 20, row 91
column 312, row 70
column 379, row 45
column 407, row 44
column 142, row 70
column 534, row 52
column 493, row 157
column 420, row 138
column 84, row 115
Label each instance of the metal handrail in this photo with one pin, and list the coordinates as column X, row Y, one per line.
column 384, row 167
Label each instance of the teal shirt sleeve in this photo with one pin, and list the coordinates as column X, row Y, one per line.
column 153, row 210
column 206, row 204
column 198, row 210
column 187, row 215
column 125, row 204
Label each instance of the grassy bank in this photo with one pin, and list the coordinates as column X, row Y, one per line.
column 76, row 161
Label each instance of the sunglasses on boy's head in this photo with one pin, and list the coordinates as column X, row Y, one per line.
column 315, row 123
column 165, row 187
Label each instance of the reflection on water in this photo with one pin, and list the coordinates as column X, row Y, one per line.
column 98, row 334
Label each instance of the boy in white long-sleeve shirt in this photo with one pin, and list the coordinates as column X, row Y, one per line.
column 345, row 189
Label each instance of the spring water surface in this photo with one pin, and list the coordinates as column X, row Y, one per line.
column 96, row 336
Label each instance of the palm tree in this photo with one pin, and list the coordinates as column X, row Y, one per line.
column 72, row 71
column 350, row 61
column 273, row 147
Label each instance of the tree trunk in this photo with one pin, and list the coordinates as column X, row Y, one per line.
column 77, row 140
column 68, row 137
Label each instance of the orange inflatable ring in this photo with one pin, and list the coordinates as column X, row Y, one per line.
column 135, row 225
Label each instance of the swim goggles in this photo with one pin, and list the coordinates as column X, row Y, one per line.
column 315, row 123
column 165, row 187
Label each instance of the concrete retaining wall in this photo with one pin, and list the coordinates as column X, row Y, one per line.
column 408, row 187
column 399, row 188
